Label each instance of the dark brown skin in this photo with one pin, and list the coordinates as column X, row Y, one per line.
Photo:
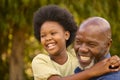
column 92, row 72
column 102, row 64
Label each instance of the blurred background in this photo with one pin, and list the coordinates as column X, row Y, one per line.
column 17, row 42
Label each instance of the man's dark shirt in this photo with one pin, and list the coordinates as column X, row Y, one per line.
column 108, row 76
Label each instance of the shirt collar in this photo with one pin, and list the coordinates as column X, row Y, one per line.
column 107, row 56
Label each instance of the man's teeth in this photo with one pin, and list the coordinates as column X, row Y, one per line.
column 84, row 58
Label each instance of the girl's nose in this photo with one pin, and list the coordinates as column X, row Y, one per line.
column 48, row 38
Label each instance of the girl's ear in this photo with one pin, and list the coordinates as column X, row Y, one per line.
column 67, row 35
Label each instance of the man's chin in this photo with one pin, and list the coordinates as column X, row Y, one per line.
column 83, row 67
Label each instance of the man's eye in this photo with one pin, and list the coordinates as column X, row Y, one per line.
column 92, row 45
column 78, row 42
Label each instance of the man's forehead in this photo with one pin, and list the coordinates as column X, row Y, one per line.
column 90, row 33
column 101, row 22
column 92, row 28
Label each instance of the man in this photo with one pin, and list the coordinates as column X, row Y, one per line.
column 92, row 44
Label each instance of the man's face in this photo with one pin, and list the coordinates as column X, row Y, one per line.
column 90, row 45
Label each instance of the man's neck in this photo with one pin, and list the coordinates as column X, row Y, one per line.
column 106, row 56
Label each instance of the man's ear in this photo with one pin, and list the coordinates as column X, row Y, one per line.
column 109, row 43
column 67, row 35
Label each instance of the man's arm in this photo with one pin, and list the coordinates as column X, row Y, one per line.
column 98, row 69
column 115, row 62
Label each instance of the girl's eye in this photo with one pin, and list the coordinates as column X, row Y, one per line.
column 53, row 33
column 42, row 36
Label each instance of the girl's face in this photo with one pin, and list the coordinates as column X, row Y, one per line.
column 53, row 38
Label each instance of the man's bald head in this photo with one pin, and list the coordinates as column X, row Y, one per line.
column 94, row 37
column 98, row 24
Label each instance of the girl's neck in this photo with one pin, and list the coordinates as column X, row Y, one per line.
column 60, row 58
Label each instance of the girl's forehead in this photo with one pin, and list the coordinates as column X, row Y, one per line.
column 51, row 26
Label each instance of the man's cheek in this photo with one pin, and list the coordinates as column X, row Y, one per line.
column 76, row 48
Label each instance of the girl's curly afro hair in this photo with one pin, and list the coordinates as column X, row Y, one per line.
column 57, row 14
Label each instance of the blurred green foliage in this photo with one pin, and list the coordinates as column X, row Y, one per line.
column 16, row 16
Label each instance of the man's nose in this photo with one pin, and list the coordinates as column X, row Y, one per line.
column 83, row 48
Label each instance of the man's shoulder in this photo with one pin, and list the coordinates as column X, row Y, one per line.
column 110, row 76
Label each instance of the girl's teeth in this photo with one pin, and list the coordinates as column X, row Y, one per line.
column 50, row 45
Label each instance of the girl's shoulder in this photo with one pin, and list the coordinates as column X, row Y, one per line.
column 41, row 58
